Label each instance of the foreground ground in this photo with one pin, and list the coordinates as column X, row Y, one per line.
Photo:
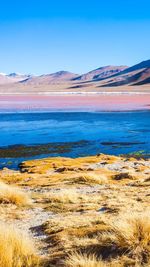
column 84, row 212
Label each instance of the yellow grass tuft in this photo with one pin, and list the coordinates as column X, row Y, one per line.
column 131, row 236
column 83, row 260
column 65, row 196
column 90, row 178
column 13, row 195
column 16, row 248
column 70, row 196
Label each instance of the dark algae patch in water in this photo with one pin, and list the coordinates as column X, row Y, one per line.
column 121, row 143
column 16, row 151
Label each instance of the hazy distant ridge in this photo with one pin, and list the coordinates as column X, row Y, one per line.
column 109, row 76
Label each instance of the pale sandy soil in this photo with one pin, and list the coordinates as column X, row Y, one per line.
column 74, row 86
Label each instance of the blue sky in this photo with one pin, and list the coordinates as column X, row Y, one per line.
column 46, row 36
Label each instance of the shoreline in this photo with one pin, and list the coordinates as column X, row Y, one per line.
column 59, row 93
column 39, row 111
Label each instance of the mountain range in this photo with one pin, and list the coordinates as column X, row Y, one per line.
column 107, row 76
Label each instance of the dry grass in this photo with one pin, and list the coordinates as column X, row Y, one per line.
column 11, row 176
column 72, row 232
column 128, row 237
column 91, row 178
column 84, row 260
column 62, row 201
column 131, row 235
column 71, row 200
column 16, row 248
column 64, row 196
column 71, row 196
column 70, row 221
column 13, row 195
column 41, row 166
column 89, row 206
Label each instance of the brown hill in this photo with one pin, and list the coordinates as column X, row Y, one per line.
column 101, row 73
column 108, row 76
column 60, row 76
column 138, row 74
column 145, row 77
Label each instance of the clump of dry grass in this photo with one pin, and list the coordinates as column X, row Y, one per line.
column 64, row 196
column 70, row 196
column 11, row 176
column 73, row 232
column 71, row 199
column 130, row 236
column 83, row 260
column 127, row 237
column 16, row 248
column 69, row 221
column 13, row 195
column 91, row 178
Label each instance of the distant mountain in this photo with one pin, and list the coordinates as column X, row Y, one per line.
column 17, row 77
column 101, row 73
column 142, row 65
column 138, row 74
column 144, row 77
column 14, row 74
column 4, row 79
column 60, row 76
column 107, row 76
column 12, row 78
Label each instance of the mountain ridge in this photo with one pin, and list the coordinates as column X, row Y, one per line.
column 107, row 76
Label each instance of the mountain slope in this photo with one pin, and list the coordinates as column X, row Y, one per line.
column 101, row 73
column 138, row 74
column 145, row 77
column 142, row 65
column 60, row 76
column 17, row 77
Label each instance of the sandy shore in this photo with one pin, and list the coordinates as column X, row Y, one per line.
column 93, row 102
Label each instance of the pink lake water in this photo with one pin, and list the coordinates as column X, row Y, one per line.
column 76, row 102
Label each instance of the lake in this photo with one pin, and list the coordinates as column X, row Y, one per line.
column 26, row 136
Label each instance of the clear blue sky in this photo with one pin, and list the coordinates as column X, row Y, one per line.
column 43, row 36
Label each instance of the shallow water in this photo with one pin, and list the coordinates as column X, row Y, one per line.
column 71, row 134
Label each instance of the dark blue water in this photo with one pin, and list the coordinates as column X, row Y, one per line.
column 107, row 132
